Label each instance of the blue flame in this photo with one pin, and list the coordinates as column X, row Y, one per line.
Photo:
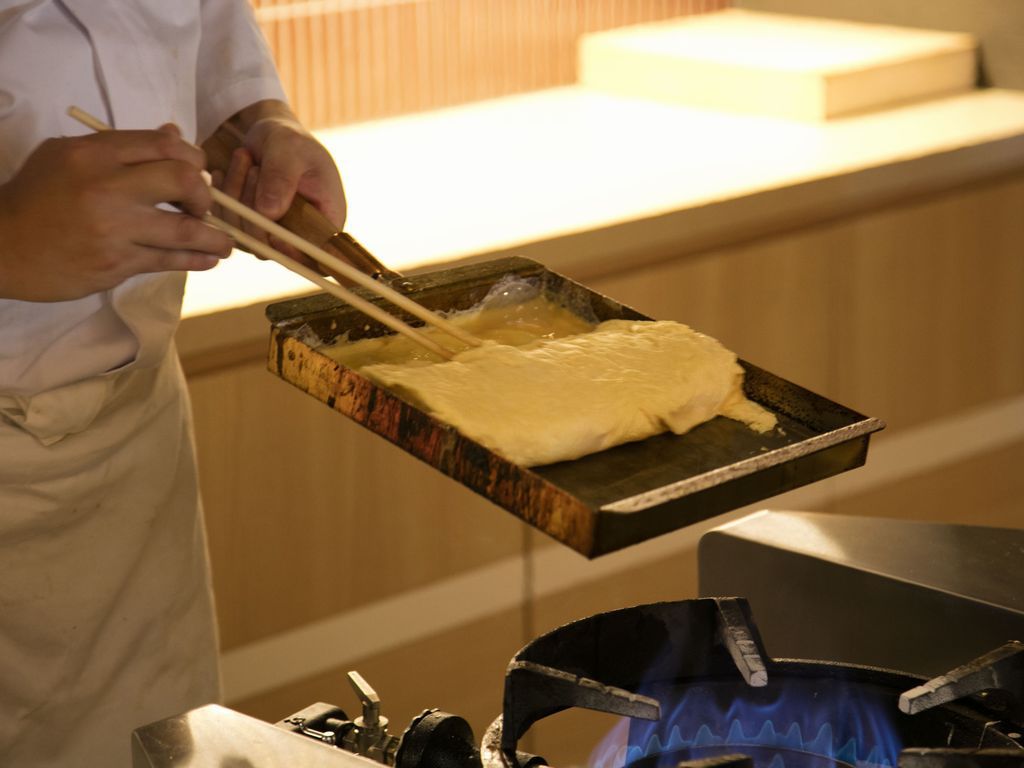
column 848, row 724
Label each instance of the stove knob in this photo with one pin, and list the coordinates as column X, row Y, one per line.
column 436, row 739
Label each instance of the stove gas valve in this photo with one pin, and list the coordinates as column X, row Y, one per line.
column 434, row 739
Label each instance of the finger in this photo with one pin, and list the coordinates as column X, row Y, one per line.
column 324, row 189
column 170, row 128
column 278, row 181
column 233, row 183
column 251, row 185
column 244, row 196
column 291, row 251
column 166, row 181
column 248, row 199
column 131, row 147
column 248, row 196
column 164, row 230
column 164, row 260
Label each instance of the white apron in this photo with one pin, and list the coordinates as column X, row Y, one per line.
column 106, row 619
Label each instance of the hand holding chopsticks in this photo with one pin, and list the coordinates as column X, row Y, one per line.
column 322, row 257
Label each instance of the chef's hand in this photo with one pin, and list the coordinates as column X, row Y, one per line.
column 279, row 158
column 79, row 216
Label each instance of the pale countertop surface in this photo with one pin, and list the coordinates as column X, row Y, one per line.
column 495, row 175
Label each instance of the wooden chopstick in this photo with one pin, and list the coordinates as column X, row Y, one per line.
column 262, row 249
column 343, row 268
column 318, row 254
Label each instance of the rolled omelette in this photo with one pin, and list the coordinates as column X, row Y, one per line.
column 558, row 399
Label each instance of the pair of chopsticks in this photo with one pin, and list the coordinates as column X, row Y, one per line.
column 323, row 257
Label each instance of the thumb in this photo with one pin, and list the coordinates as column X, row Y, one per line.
column 275, row 188
column 170, row 128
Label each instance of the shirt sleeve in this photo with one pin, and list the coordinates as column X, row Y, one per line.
column 234, row 67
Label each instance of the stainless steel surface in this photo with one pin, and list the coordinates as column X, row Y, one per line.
column 917, row 596
column 216, row 737
column 598, row 503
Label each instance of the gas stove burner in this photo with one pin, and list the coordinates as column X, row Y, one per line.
column 699, row 690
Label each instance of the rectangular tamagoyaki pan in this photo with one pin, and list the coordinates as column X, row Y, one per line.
column 598, row 503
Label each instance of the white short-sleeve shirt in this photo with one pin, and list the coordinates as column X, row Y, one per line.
column 135, row 64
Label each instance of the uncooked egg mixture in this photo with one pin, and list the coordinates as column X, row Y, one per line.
column 547, row 385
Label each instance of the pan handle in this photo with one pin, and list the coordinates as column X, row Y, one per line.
column 302, row 217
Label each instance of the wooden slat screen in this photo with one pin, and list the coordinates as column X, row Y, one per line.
column 344, row 61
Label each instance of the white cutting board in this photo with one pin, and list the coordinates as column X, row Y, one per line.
column 772, row 64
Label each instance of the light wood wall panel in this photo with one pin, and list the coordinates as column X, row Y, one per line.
column 935, row 296
column 343, row 61
column 986, row 489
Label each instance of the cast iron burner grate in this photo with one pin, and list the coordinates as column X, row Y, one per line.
column 699, row 690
